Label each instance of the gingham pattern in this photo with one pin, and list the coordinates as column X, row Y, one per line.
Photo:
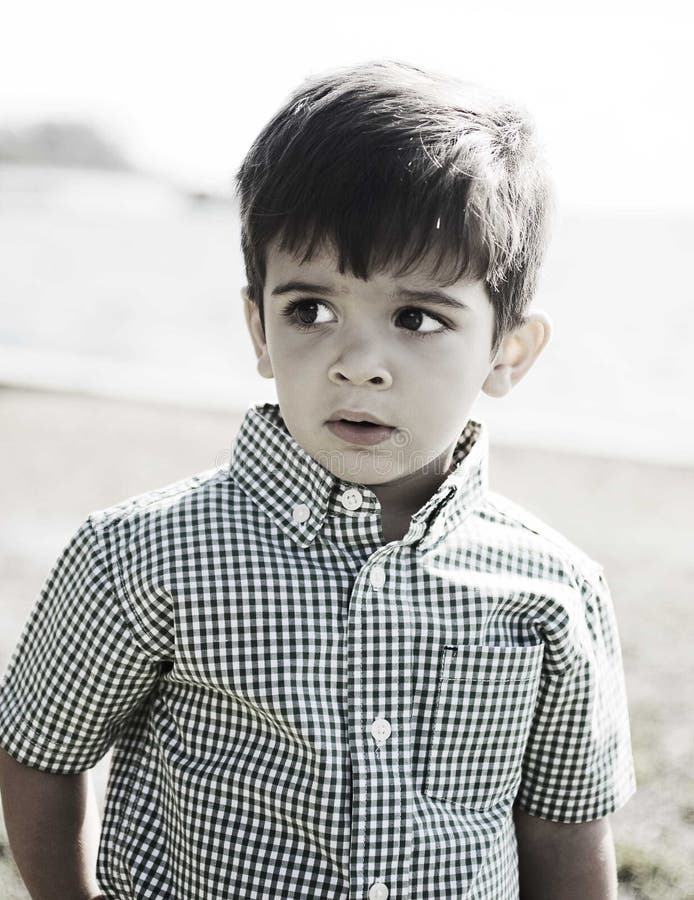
column 298, row 710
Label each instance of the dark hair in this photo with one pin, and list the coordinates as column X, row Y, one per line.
column 393, row 166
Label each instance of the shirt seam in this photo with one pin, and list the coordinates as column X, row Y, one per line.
column 118, row 587
column 569, row 796
column 579, row 661
column 578, row 577
column 30, row 736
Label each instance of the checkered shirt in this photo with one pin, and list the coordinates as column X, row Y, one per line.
column 298, row 709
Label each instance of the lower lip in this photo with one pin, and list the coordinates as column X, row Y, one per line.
column 366, row 435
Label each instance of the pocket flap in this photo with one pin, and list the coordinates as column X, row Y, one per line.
column 486, row 662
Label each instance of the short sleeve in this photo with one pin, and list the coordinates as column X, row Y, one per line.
column 578, row 762
column 76, row 674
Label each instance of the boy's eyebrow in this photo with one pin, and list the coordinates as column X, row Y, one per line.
column 431, row 295
column 302, row 286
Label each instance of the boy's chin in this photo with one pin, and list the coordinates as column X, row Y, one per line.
column 356, row 471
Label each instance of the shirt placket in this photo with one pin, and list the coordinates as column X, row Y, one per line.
column 379, row 662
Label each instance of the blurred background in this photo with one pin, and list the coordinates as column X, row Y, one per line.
column 125, row 362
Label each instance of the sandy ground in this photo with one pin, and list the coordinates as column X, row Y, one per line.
column 65, row 455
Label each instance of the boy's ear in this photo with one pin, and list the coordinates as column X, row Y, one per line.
column 518, row 351
column 255, row 328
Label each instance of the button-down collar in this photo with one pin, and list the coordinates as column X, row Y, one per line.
column 297, row 492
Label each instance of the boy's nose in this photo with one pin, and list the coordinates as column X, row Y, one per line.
column 360, row 367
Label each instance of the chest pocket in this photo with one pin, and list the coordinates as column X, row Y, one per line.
column 484, row 705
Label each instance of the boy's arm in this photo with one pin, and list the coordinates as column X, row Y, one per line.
column 53, row 827
column 559, row 861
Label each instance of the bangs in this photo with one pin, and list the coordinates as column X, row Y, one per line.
column 368, row 240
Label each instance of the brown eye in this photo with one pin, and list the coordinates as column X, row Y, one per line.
column 303, row 313
column 306, row 313
column 415, row 316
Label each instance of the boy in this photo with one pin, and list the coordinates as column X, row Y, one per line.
column 340, row 667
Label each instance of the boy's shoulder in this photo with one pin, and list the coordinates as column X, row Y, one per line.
column 181, row 500
column 530, row 540
column 149, row 543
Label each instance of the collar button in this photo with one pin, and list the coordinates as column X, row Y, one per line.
column 351, row 499
column 300, row 513
column 377, row 577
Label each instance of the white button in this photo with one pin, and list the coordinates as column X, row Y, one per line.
column 351, row 499
column 300, row 513
column 378, row 891
column 377, row 577
column 380, row 729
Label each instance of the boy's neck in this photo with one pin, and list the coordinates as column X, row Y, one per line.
column 401, row 498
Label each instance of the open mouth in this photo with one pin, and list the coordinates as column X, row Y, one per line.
column 360, row 432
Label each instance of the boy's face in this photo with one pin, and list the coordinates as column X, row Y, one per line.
column 370, row 347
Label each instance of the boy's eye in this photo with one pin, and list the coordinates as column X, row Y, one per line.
column 415, row 315
column 305, row 315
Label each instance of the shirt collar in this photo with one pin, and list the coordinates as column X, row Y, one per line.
column 297, row 492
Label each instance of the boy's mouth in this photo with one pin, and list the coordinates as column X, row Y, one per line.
column 357, row 417
column 362, row 431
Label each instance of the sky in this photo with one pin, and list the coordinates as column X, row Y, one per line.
column 184, row 87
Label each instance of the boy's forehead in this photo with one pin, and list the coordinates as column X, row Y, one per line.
column 283, row 267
